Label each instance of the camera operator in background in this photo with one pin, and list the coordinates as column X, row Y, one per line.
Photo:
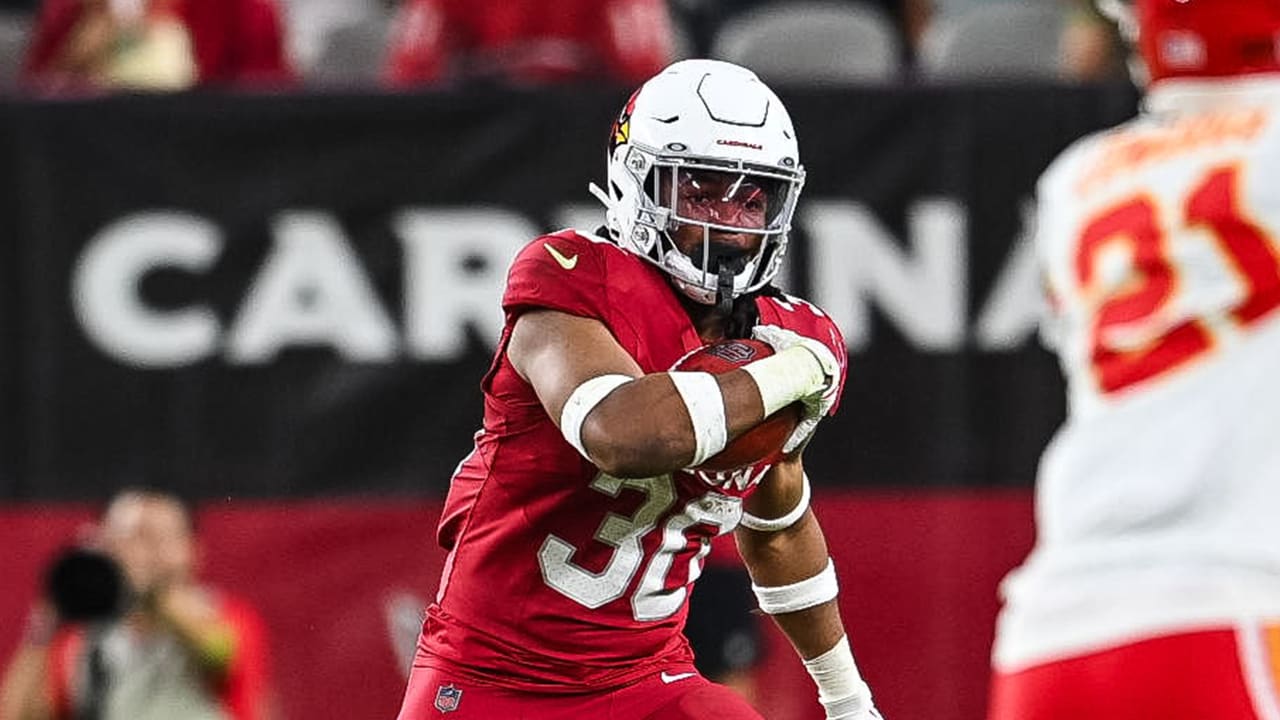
column 172, row 649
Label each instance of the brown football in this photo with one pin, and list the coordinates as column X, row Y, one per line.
column 762, row 443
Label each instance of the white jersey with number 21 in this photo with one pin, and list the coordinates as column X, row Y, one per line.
column 1158, row 502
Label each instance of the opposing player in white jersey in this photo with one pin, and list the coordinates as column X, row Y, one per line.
column 1154, row 590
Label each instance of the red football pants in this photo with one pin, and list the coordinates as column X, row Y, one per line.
column 677, row 693
column 1227, row 674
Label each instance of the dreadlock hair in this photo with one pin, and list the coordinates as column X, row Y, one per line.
column 745, row 315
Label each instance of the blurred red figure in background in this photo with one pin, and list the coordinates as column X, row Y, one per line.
column 438, row 41
column 157, row 44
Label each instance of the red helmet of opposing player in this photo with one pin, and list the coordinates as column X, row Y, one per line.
column 1201, row 38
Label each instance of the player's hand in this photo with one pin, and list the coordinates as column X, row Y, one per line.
column 818, row 403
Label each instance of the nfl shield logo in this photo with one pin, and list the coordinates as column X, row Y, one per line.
column 447, row 698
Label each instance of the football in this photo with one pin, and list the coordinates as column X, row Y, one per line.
column 762, row 443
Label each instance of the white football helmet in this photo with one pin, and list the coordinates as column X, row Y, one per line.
column 715, row 121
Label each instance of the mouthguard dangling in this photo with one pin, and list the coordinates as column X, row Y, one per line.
column 724, row 288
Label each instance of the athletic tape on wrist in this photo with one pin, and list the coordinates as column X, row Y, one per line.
column 705, row 403
column 798, row 596
column 581, row 402
column 785, row 377
column 841, row 689
column 751, row 522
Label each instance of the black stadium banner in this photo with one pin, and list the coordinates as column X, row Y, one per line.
column 298, row 295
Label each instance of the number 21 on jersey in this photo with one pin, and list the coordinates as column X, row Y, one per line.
column 1213, row 206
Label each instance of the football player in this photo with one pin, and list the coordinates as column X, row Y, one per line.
column 578, row 524
column 1154, row 588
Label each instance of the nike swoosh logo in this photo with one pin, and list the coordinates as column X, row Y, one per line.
column 668, row 679
column 568, row 263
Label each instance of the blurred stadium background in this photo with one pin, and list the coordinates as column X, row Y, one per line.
column 280, row 304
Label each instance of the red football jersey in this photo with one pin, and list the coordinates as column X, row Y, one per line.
column 559, row 577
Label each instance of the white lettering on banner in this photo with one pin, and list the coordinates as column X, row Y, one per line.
column 855, row 259
column 105, row 289
column 311, row 291
column 1016, row 304
column 455, row 270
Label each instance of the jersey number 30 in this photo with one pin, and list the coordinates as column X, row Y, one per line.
column 652, row 600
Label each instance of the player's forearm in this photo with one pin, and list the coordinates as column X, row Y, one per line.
column 640, row 427
column 794, row 581
column 637, row 430
column 812, row 631
column 787, row 557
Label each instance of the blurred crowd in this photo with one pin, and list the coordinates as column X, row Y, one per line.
column 68, row 46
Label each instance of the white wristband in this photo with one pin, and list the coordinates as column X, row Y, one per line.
column 788, row 376
column 751, row 522
column 581, row 402
column 841, row 689
column 800, row 595
column 705, row 403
